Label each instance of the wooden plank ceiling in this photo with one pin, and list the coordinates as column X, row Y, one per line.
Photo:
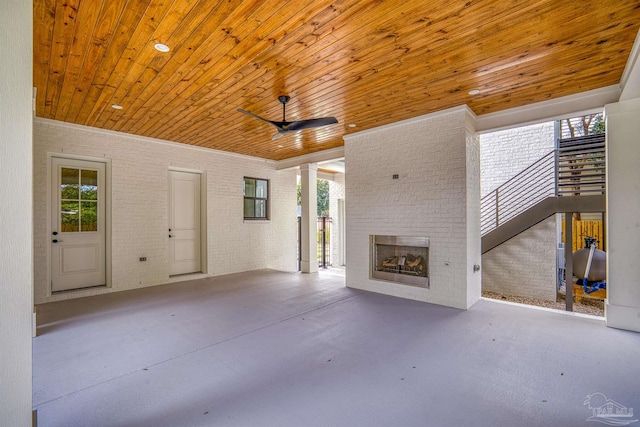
column 367, row 62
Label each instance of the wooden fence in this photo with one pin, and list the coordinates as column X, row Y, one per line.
column 582, row 229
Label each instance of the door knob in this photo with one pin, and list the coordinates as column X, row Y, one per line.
column 55, row 233
column 170, row 236
column 56, row 241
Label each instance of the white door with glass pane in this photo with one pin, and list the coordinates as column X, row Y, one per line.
column 78, row 224
column 184, row 223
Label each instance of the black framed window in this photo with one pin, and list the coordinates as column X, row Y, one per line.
column 256, row 198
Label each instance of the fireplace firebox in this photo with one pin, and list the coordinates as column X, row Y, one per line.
column 400, row 259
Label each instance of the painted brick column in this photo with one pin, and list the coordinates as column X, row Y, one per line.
column 309, row 193
column 622, row 219
column 16, row 213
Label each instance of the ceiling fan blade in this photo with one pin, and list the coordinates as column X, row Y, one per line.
column 255, row 116
column 288, row 127
column 312, row 123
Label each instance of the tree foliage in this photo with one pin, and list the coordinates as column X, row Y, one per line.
column 79, row 208
column 598, row 124
column 323, row 197
column 589, row 124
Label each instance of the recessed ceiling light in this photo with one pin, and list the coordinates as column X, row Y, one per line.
column 116, row 107
column 474, row 92
column 352, row 125
column 280, row 146
column 162, row 47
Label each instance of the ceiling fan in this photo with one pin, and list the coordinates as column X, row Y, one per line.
column 288, row 127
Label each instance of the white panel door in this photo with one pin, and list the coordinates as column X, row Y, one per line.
column 184, row 223
column 78, row 224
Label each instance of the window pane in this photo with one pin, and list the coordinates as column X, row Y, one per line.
column 249, row 187
column 69, row 183
column 89, row 216
column 261, row 188
column 89, row 187
column 249, row 210
column 69, row 217
column 261, row 209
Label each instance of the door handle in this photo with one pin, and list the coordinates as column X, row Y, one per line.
column 56, row 241
column 170, row 236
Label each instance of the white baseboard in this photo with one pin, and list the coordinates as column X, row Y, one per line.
column 620, row 317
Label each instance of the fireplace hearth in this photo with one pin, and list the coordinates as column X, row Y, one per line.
column 400, row 259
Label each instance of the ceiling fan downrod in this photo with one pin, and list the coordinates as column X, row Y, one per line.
column 284, row 99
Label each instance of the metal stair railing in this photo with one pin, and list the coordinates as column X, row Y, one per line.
column 575, row 169
column 581, row 170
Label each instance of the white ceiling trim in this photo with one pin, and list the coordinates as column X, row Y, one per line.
column 83, row 128
column 412, row 120
column 630, row 81
column 559, row 108
column 319, row 156
column 588, row 102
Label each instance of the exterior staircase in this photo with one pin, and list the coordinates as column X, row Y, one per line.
column 570, row 178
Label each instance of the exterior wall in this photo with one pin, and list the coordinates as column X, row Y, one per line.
column 622, row 221
column 16, row 259
column 139, row 207
column 336, row 192
column 525, row 265
column 506, row 153
column 434, row 193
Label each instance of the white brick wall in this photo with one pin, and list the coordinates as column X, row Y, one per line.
column 505, row 153
column 438, row 185
column 525, row 265
column 139, row 207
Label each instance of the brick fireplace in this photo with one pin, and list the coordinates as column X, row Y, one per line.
column 418, row 178
column 400, row 259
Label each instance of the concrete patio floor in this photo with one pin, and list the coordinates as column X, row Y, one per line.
column 268, row 348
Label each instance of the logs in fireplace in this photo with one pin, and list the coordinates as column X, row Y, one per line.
column 400, row 259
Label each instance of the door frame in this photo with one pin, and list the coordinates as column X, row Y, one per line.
column 204, row 265
column 107, row 219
